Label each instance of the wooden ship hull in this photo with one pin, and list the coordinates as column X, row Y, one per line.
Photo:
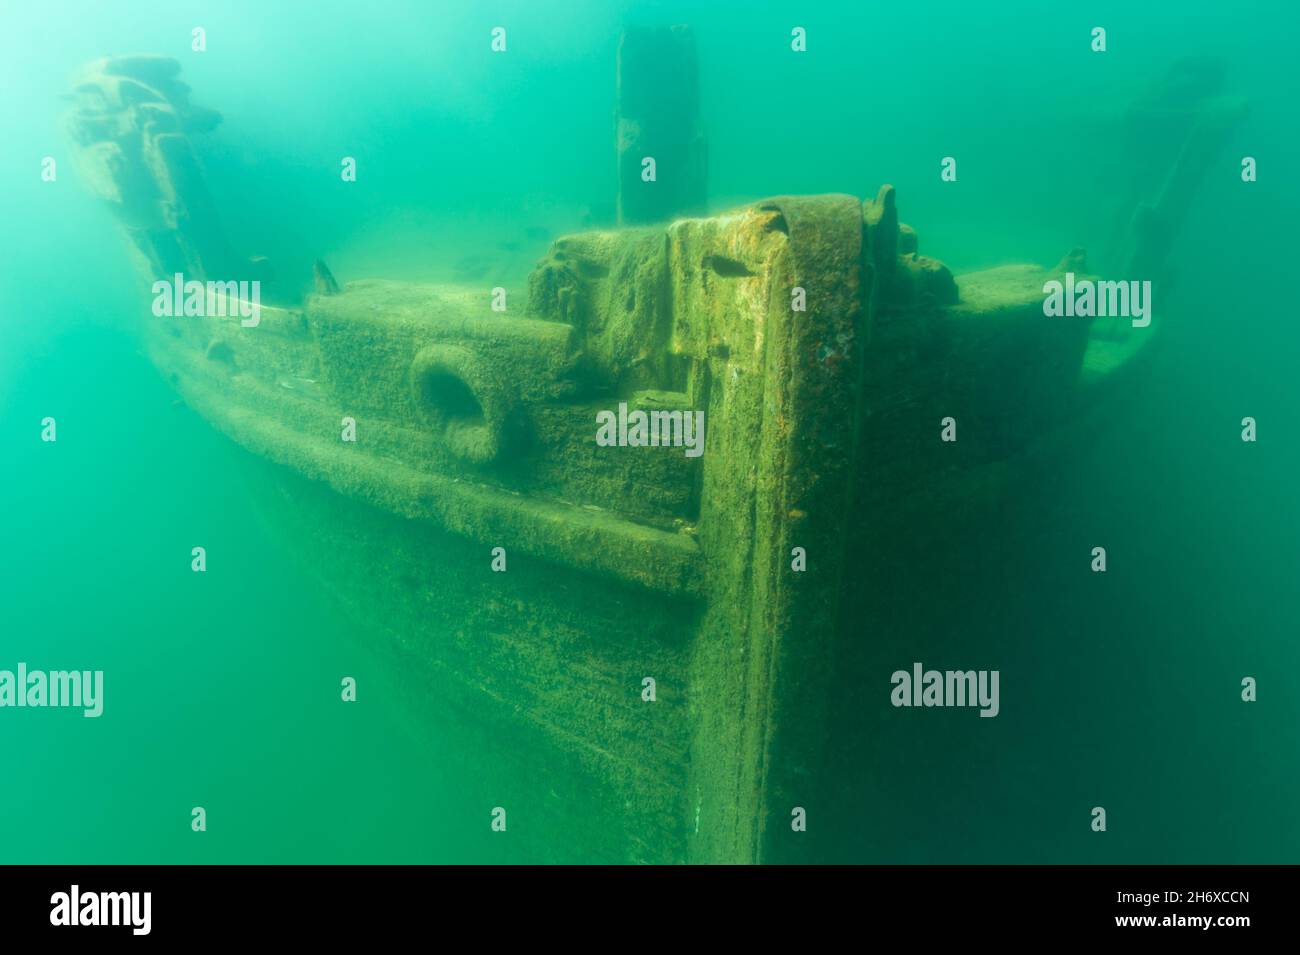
column 475, row 430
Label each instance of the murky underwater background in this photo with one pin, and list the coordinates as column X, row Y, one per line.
column 222, row 687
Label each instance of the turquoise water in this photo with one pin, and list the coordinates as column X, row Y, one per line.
column 223, row 688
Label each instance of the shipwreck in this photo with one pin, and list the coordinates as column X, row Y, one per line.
column 825, row 352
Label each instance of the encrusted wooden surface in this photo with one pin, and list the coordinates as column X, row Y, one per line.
column 475, row 429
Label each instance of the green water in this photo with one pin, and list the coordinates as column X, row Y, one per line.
column 222, row 689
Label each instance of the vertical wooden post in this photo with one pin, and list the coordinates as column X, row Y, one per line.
column 658, row 120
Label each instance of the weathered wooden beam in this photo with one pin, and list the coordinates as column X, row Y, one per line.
column 662, row 156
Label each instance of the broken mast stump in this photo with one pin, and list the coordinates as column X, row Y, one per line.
column 662, row 156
